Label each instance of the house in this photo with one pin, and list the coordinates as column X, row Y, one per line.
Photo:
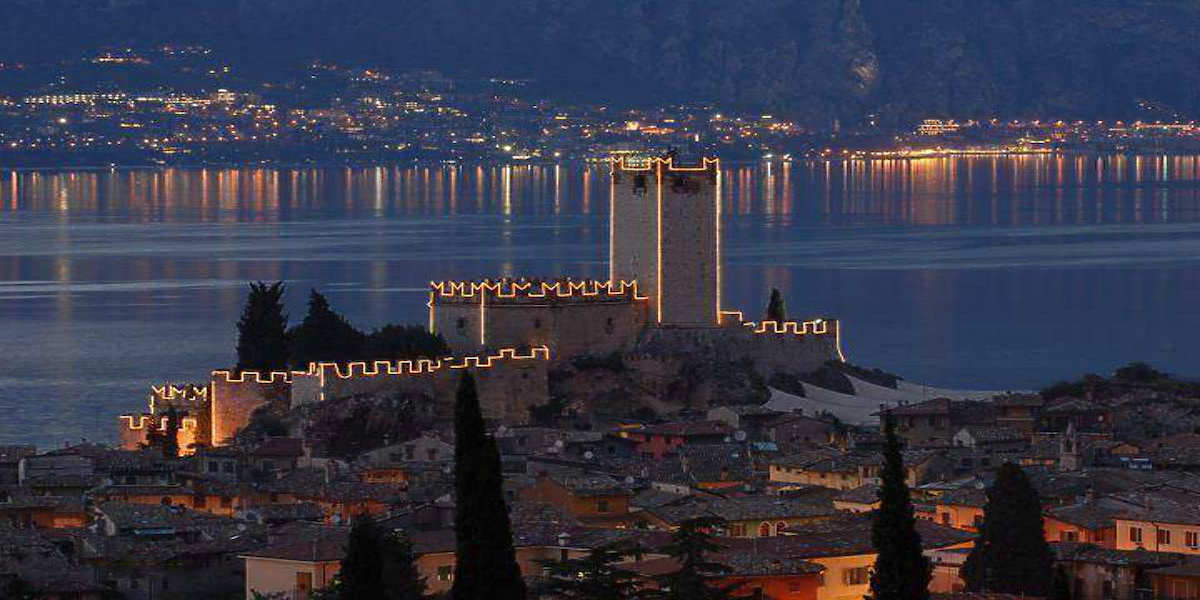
column 583, row 497
column 1090, row 521
column 752, row 419
column 1099, row 573
column 846, row 471
column 424, row 448
column 989, row 438
column 10, row 460
column 1165, row 522
column 218, row 463
column 797, row 428
column 656, row 441
column 40, row 563
column 1022, row 412
column 1084, row 415
column 297, row 566
column 590, row 445
column 1176, row 582
column 277, row 454
column 860, row 499
column 767, row 516
column 932, row 423
column 22, row 509
column 961, row 509
column 751, row 575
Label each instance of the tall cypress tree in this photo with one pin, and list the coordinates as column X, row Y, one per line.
column 776, row 310
column 691, row 545
column 324, row 336
column 486, row 563
column 1011, row 554
column 901, row 570
column 262, row 330
column 170, row 443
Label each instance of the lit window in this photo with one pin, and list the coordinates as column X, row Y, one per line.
column 445, row 573
column 1164, row 537
column 855, row 576
column 1135, row 535
column 1192, row 539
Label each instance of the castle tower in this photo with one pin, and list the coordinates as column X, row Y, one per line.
column 664, row 232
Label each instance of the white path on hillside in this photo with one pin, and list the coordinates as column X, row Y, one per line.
column 850, row 409
column 859, row 408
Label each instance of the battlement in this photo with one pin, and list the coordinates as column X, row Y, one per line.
column 814, row 327
column 423, row 366
column 517, row 290
column 188, row 395
column 228, row 376
column 157, row 422
column 646, row 164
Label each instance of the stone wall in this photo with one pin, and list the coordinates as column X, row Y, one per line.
column 690, row 252
column 235, row 397
column 792, row 346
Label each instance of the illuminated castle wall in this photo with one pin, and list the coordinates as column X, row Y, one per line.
column 665, row 234
column 509, row 382
column 572, row 317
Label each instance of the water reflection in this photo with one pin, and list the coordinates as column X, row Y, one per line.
column 1007, row 191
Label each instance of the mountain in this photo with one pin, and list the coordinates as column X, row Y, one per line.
column 811, row 59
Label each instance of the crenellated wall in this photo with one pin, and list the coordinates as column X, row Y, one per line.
column 572, row 316
column 789, row 346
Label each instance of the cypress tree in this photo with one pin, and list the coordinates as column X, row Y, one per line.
column 1062, row 585
column 262, row 330
column 901, row 570
column 378, row 565
column 486, row 563
column 1011, row 554
column 776, row 310
column 691, row 546
column 594, row 576
column 170, row 442
column 324, row 336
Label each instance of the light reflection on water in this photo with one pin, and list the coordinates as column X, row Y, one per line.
column 986, row 272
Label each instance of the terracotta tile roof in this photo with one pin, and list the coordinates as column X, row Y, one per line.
column 688, row 429
column 280, row 447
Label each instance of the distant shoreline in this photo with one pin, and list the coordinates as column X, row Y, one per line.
column 837, row 156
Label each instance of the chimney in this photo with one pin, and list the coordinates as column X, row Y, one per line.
column 564, row 538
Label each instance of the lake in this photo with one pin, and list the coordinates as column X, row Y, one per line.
column 980, row 272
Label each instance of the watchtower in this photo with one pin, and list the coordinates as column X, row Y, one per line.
column 664, row 232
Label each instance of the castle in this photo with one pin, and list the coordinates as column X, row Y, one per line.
column 663, row 291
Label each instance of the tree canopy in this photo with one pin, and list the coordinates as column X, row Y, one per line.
column 1011, row 555
column 901, row 570
column 486, row 564
column 262, row 330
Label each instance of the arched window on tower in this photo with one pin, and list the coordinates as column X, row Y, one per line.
column 764, row 530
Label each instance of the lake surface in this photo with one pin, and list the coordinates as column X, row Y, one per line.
column 985, row 272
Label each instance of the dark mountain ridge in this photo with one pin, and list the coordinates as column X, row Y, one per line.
column 815, row 60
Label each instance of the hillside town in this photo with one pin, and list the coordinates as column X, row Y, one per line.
column 794, row 493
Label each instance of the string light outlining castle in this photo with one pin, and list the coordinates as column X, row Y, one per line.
column 663, row 296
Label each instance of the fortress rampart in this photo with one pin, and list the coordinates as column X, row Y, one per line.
column 509, row 382
column 572, row 316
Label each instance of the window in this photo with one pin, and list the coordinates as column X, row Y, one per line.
column 229, row 466
column 166, row 501
column 1135, row 535
column 1068, row 536
column 737, row 530
column 432, row 453
column 977, row 521
column 1164, row 537
column 199, row 501
column 1192, row 539
column 855, row 576
column 795, row 585
column 780, row 527
column 445, row 573
column 1106, row 589
column 226, row 502
column 764, row 530
column 946, row 519
column 537, row 323
column 409, row 451
column 602, row 506
column 461, row 323
column 213, row 466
